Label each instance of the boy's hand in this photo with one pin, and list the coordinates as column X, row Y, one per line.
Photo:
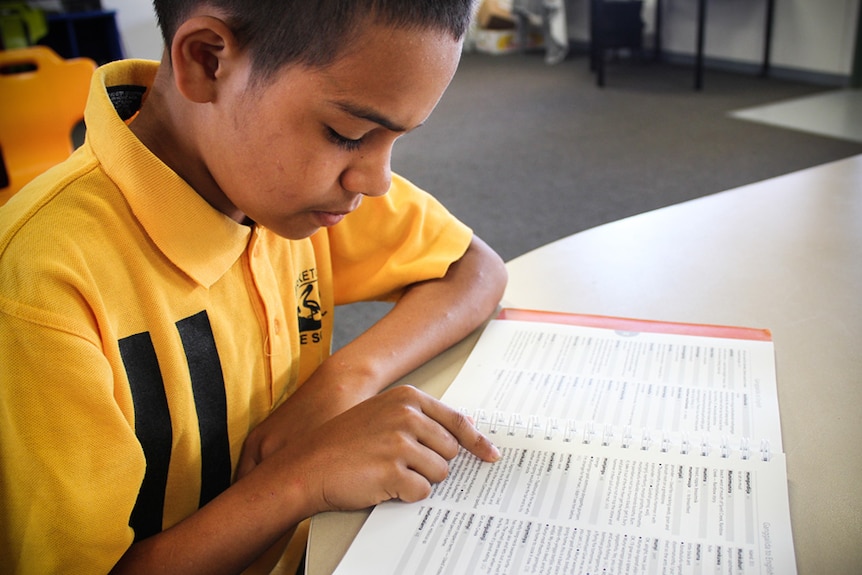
column 394, row 445
column 326, row 394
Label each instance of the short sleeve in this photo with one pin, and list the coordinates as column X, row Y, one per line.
column 392, row 241
column 71, row 466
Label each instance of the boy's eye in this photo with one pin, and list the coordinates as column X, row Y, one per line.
column 341, row 141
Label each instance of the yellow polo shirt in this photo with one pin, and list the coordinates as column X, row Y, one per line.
column 143, row 334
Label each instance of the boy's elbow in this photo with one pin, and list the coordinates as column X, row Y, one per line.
column 492, row 273
column 500, row 276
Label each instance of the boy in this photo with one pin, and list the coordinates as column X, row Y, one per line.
column 160, row 407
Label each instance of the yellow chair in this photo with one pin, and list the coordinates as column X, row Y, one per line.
column 42, row 98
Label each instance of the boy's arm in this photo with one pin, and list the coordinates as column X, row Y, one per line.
column 393, row 445
column 430, row 317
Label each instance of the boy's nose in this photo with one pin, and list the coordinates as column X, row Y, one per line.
column 369, row 175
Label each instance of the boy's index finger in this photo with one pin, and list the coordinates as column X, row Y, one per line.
column 483, row 448
column 468, row 435
column 457, row 425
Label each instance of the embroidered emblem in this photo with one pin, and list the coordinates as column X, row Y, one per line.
column 308, row 309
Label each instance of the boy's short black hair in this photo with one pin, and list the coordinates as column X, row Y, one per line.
column 313, row 33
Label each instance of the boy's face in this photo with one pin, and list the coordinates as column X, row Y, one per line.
column 300, row 152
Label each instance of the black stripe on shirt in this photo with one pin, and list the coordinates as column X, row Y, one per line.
column 210, row 401
column 153, row 429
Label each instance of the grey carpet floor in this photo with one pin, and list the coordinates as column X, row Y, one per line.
column 527, row 153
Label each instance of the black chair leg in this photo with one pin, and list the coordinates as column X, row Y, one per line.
column 600, row 66
column 613, row 25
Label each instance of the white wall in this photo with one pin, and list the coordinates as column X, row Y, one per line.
column 827, row 47
column 810, row 35
column 138, row 28
column 815, row 36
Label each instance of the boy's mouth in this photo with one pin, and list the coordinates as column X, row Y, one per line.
column 328, row 219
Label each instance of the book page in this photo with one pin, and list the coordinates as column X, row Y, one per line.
column 647, row 387
column 551, row 506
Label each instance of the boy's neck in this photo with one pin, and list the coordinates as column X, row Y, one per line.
column 166, row 126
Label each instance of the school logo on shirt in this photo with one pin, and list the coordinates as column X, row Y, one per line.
column 308, row 309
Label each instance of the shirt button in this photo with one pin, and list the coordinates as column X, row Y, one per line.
column 276, row 327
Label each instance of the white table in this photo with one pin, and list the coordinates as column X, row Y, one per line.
column 784, row 254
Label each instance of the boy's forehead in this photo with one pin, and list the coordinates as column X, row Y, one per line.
column 392, row 78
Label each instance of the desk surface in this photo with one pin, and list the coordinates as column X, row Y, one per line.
column 784, row 254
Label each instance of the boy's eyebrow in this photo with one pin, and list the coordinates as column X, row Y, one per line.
column 369, row 114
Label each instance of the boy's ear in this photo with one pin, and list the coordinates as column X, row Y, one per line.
column 203, row 50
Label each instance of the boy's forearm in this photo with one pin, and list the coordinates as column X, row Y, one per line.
column 225, row 536
column 429, row 318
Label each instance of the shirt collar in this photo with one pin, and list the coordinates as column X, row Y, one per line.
column 201, row 241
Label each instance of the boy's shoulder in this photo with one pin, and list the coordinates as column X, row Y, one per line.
column 57, row 201
column 48, row 206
